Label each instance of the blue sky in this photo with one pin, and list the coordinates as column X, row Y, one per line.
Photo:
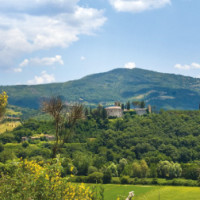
column 44, row 41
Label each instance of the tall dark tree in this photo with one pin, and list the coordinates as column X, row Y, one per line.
column 86, row 112
column 136, row 104
column 128, row 105
column 104, row 113
column 142, row 104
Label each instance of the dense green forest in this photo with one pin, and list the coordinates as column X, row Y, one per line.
column 162, row 145
column 167, row 91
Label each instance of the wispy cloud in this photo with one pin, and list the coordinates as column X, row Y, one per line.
column 130, row 65
column 187, row 67
column 46, row 61
column 43, row 78
column 19, row 69
column 83, row 58
column 136, row 6
column 29, row 26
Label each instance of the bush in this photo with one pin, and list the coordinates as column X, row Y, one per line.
column 22, row 154
column 155, row 181
column 34, row 181
column 8, row 168
column 37, row 158
column 1, row 147
column 183, row 182
column 6, row 138
column 145, row 181
column 46, row 153
column 92, row 169
column 124, row 180
column 96, row 177
column 141, row 181
column 107, row 176
column 191, row 171
column 25, row 144
column 47, row 145
column 6, row 155
column 79, row 179
column 115, row 180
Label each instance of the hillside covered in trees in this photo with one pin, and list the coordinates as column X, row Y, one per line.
column 167, row 91
column 165, row 145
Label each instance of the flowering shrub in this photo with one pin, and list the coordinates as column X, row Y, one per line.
column 3, row 99
column 41, row 181
column 3, row 102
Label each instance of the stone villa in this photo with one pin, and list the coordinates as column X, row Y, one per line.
column 114, row 111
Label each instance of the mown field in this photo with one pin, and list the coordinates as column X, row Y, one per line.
column 152, row 192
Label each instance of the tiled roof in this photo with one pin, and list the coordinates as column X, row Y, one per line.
column 113, row 108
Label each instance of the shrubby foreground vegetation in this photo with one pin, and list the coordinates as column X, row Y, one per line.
column 39, row 180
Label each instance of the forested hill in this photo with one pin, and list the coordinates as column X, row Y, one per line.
column 168, row 91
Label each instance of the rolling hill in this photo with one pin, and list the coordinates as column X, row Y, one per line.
column 167, row 91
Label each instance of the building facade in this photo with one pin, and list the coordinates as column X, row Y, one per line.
column 114, row 111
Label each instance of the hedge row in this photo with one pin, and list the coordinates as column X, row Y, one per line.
column 98, row 178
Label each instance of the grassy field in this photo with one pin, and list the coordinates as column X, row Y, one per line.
column 152, row 192
column 11, row 112
column 111, row 192
column 8, row 126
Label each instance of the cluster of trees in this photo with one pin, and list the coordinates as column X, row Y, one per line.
column 127, row 105
column 169, row 169
column 165, row 145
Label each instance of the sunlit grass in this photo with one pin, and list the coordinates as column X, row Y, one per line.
column 111, row 192
column 172, row 193
column 11, row 112
column 8, row 126
column 152, row 192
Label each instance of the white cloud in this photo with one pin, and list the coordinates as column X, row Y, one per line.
column 130, row 65
column 29, row 26
column 187, row 67
column 83, row 57
column 195, row 65
column 24, row 63
column 17, row 69
column 46, row 61
column 136, row 6
column 43, row 78
column 37, row 6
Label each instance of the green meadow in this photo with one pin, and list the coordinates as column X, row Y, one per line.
column 111, row 192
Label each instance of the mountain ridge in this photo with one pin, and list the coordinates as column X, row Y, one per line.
column 164, row 90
